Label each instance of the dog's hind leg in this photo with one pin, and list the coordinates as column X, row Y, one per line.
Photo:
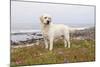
column 67, row 43
column 67, row 40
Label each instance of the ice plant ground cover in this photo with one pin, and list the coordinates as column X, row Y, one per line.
column 80, row 51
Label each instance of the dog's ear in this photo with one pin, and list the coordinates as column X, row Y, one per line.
column 41, row 18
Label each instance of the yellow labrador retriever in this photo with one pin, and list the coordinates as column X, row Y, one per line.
column 51, row 31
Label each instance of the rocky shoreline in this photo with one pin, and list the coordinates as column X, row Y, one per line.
column 87, row 34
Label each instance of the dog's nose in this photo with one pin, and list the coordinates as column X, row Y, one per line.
column 48, row 22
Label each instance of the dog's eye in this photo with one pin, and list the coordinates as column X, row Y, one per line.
column 45, row 17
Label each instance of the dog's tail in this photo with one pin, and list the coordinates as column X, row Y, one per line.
column 73, row 29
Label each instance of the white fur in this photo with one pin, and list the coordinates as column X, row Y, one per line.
column 51, row 31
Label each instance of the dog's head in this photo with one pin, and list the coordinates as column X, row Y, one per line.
column 45, row 19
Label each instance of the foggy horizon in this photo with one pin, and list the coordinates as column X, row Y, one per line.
column 25, row 15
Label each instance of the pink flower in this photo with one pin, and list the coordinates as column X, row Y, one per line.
column 18, row 62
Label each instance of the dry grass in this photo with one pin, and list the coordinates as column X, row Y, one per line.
column 80, row 51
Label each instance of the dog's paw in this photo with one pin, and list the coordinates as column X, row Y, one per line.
column 50, row 49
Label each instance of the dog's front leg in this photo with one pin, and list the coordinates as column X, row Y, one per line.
column 51, row 43
column 46, row 43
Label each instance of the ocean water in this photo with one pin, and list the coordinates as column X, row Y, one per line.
column 23, row 35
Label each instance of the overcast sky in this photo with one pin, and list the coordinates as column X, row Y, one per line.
column 25, row 15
